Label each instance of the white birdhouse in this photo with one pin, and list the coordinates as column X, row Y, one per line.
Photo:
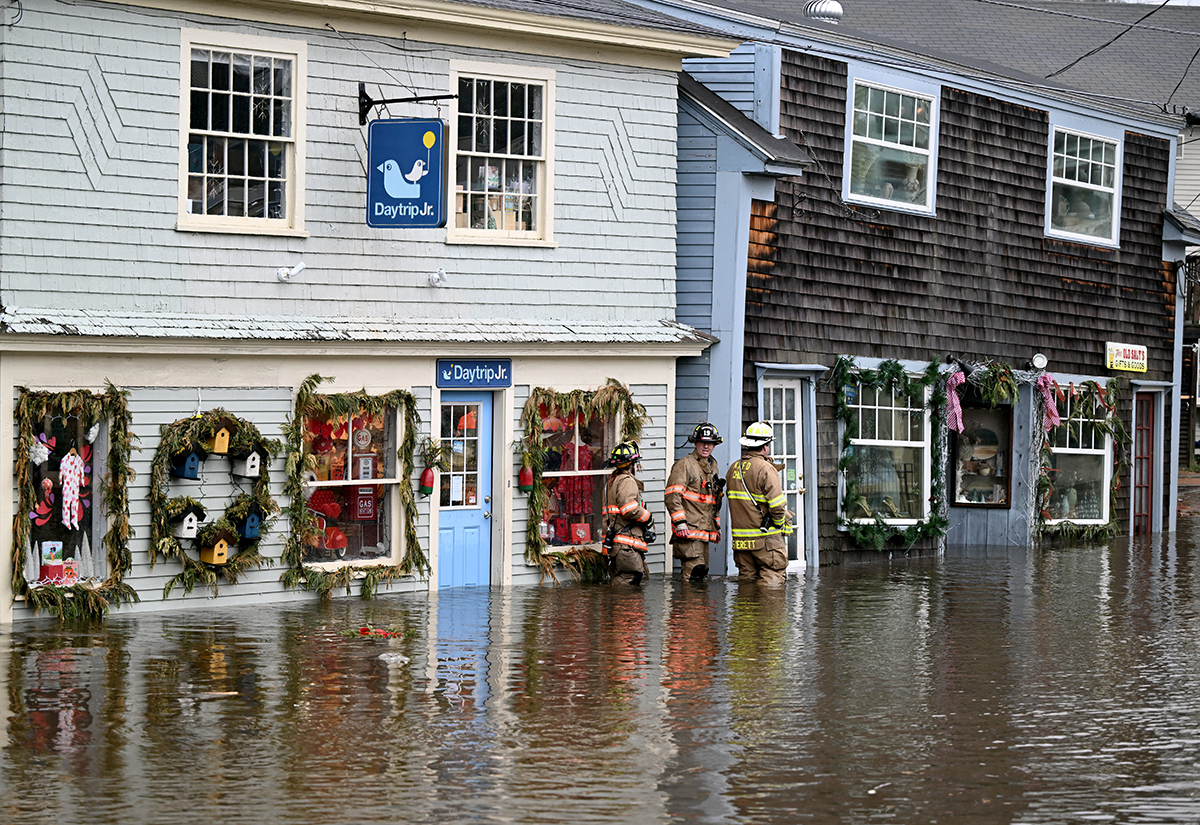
column 250, row 464
column 188, row 524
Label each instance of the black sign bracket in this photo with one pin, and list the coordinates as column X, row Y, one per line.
column 365, row 103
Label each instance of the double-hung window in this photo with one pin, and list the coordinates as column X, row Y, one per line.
column 1084, row 187
column 502, row 142
column 242, row 133
column 891, row 136
column 1080, row 461
column 887, row 475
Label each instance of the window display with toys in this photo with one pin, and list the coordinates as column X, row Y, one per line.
column 353, row 515
column 62, row 536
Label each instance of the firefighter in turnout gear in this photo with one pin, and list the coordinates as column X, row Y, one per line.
column 628, row 525
column 694, row 503
column 759, row 520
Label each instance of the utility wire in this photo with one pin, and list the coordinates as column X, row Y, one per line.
column 1104, row 46
column 1184, row 75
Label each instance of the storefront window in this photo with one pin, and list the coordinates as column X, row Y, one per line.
column 64, row 539
column 353, row 517
column 887, row 468
column 574, row 475
column 1080, row 461
column 982, row 457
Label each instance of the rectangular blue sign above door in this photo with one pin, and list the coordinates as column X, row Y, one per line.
column 406, row 174
column 474, row 373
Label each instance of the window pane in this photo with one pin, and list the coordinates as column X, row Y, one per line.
column 220, row 112
column 221, row 70
column 241, row 73
column 1078, row 487
column 887, row 481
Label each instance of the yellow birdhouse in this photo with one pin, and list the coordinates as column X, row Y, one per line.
column 218, row 443
column 218, row 551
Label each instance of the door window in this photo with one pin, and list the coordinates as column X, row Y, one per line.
column 781, row 409
column 460, row 433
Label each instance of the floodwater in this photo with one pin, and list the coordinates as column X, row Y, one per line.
column 986, row 686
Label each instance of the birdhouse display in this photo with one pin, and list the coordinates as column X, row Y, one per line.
column 187, row 523
column 225, row 522
column 223, row 431
column 249, row 524
column 248, row 464
column 214, row 546
column 186, row 464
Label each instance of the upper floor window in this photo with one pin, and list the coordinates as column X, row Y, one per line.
column 1084, row 200
column 891, row 138
column 502, row 141
column 242, row 133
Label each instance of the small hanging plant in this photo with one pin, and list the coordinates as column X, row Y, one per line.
column 531, row 451
column 435, row 455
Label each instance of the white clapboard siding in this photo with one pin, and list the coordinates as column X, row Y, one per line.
column 91, row 155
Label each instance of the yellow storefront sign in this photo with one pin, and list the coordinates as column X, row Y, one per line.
column 1126, row 357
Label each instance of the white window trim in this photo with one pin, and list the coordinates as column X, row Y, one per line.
column 906, row 86
column 294, row 49
column 926, row 471
column 398, row 549
column 499, row 237
column 1106, row 481
column 1095, row 130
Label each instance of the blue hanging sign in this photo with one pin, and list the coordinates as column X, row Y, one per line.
column 406, row 174
column 474, row 373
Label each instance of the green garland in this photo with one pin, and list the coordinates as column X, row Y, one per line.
column 176, row 439
column 1089, row 396
column 82, row 600
column 891, row 375
column 613, row 400
column 310, row 404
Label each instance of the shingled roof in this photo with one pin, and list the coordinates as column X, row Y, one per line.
column 1032, row 41
column 610, row 12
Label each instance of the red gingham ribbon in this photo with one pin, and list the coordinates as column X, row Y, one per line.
column 953, row 404
column 1052, row 418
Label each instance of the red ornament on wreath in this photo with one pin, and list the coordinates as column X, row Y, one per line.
column 427, row 481
column 525, row 479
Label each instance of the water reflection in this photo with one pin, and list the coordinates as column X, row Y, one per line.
column 989, row 686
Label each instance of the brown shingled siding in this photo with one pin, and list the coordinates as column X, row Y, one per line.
column 979, row 279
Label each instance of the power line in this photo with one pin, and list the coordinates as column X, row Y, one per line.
column 1104, row 46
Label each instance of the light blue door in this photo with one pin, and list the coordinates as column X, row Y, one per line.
column 465, row 506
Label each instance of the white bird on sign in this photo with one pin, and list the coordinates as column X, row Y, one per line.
column 395, row 183
column 418, row 171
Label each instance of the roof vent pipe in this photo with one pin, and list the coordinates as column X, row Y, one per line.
column 828, row 10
